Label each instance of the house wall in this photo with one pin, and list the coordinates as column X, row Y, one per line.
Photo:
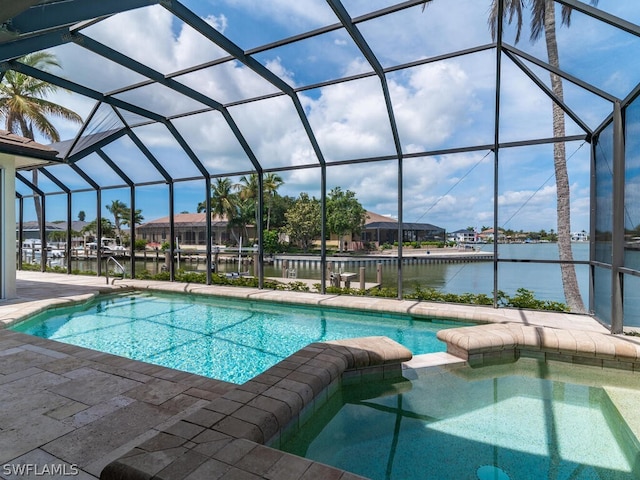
column 7, row 227
column 194, row 235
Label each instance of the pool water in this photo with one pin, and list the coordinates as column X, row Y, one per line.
column 524, row 421
column 229, row 340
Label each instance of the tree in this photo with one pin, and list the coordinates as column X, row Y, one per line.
column 345, row 214
column 543, row 20
column 279, row 207
column 24, row 107
column 138, row 218
column 271, row 183
column 248, row 206
column 120, row 211
column 82, row 215
column 223, row 201
column 303, row 221
column 245, row 212
column 57, row 236
column 248, row 190
column 91, row 228
column 271, row 242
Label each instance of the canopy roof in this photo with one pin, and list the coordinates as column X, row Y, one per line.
column 176, row 91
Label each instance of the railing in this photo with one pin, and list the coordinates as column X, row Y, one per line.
column 118, row 265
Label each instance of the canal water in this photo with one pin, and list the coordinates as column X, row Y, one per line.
column 470, row 277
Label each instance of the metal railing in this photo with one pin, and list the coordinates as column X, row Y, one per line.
column 118, row 265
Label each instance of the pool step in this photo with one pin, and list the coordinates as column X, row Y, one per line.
column 625, row 402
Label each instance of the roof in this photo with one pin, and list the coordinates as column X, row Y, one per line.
column 25, row 147
column 32, row 225
column 375, row 221
column 375, row 217
column 223, row 89
column 184, row 220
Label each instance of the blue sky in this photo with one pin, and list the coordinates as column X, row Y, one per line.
column 440, row 105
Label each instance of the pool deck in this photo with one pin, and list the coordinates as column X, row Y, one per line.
column 66, row 405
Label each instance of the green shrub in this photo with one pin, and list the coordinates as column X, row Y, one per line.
column 191, row 277
column 522, row 299
column 31, row 267
column 140, row 244
column 143, row 275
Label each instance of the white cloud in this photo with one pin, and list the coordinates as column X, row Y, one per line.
column 301, row 13
column 350, row 120
column 432, row 103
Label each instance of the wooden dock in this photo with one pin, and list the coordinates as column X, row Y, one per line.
column 311, row 283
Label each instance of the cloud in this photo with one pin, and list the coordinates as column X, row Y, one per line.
column 298, row 14
column 431, row 103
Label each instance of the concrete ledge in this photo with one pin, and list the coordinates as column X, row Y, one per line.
column 227, row 436
column 489, row 343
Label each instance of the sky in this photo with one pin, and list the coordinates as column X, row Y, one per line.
column 440, row 105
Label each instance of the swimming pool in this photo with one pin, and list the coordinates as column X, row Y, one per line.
column 524, row 421
column 231, row 340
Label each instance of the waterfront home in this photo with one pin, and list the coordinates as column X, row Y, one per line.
column 190, row 229
column 463, row 236
column 488, row 235
column 380, row 229
column 580, row 236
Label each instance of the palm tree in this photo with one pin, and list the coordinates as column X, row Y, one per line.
column 120, row 211
column 138, row 218
column 223, row 201
column 248, row 192
column 543, row 19
column 248, row 187
column 272, row 181
column 24, row 107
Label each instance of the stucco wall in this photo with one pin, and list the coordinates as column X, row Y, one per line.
column 8, row 227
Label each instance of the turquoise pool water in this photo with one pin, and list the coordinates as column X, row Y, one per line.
column 523, row 421
column 224, row 339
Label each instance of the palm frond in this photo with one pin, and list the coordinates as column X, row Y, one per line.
column 23, row 100
column 512, row 10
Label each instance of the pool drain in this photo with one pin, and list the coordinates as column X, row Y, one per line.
column 491, row 472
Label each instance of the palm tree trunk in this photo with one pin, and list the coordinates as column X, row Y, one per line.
column 36, row 199
column 268, row 215
column 569, row 279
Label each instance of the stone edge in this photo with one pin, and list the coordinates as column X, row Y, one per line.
column 229, row 436
column 485, row 344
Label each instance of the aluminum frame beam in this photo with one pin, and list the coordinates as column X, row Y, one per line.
column 56, row 15
column 365, row 49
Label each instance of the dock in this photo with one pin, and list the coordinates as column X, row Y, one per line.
column 409, row 257
column 312, row 282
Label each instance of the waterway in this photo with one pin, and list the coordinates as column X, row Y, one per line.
column 477, row 277
column 470, row 277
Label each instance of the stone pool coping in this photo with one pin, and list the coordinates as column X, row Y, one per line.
column 228, row 437
column 39, row 291
column 483, row 344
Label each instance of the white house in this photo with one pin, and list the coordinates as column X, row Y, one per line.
column 464, row 236
column 580, row 236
